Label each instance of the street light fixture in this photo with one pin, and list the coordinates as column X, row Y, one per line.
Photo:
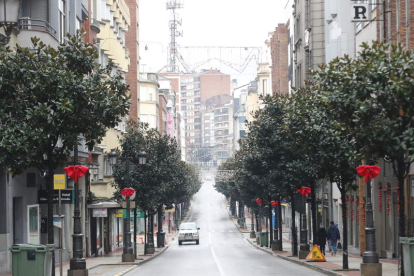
column 9, row 18
column 142, row 157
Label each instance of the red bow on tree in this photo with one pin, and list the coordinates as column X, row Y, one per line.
column 369, row 172
column 304, row 191
column 76, row 171
column 259, row 201
column 128, row 192
column 274, row 203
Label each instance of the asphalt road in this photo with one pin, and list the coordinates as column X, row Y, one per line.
column 222, row 250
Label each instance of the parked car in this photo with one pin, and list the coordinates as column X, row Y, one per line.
column 188, row 232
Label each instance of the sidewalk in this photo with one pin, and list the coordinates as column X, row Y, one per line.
column 333, row 264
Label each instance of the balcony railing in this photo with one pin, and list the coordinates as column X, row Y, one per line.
column 26, row 23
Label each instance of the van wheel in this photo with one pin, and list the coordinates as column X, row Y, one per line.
column 180, row 242
column 197, row 241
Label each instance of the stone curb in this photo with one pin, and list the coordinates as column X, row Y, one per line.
column 319, row 269
column 136, row 264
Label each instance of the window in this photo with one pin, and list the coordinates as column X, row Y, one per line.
column 78, row 23
column 33, row 227
column 62, row 19
column 95, row 175
column 111, row 18
column 107, row 167
column 265, row 86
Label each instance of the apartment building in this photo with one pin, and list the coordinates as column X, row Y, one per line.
column 149, row 100
column 217, row 129
column 195, row 89
column 23, row 216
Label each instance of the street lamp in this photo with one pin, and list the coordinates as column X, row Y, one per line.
column 128, row 252
column 9, row 18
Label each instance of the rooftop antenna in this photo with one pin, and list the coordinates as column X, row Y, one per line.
column 174, row 33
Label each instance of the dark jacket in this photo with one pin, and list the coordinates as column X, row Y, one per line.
column 321, row 236
column 333, row 232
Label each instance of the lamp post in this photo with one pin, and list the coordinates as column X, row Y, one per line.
column 128, row 252
column 77, row 265
column 9, row 18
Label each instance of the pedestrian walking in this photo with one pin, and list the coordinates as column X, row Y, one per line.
column 322, row 237
column 333, row 236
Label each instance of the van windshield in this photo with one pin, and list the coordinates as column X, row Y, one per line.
column 189, row 226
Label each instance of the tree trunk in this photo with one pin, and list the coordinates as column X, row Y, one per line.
column 257, row 220
column 270, row 225
column 160, row 220
column 50, row 232
column 145, row 233
column 279, row 216
column 294, row 235
column 313, row 211
column 345, row 231
column 401, row 194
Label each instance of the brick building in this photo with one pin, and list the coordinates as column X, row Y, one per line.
column 279, row 54
column 131, row 42
column 397, row 23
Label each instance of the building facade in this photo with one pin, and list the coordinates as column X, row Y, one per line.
column 279, row 54
column 308, row 39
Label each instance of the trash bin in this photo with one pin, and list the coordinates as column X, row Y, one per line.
column 32, row 259
column 264, row 238
column 408, row 255
column 161, row 239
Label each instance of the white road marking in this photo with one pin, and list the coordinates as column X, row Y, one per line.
column 220, row 269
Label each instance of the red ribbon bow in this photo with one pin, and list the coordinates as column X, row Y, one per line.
column 274, row 203
column 304, row 191
column 76, row 171
column 369, row 172
column 259, row 201
column 128, row 192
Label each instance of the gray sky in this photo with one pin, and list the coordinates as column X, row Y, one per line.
column 208, row 23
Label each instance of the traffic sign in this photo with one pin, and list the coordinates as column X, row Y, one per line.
column 316, row 255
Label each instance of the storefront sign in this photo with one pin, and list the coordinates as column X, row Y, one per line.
column 59, row 181
column 100, row 213
column 119, row 213
column 170, row 125
column 360, row 12
column 140, row 214
column 67, row 196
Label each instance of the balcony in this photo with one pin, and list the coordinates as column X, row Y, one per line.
column 96, row 25
column 26, row 23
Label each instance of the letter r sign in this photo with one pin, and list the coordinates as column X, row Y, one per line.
column 360, row 12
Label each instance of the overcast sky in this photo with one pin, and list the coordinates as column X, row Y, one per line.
column 237, row 23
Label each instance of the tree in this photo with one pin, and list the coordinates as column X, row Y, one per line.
column 163, row 179
column 374, row 97
column 52, row 97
